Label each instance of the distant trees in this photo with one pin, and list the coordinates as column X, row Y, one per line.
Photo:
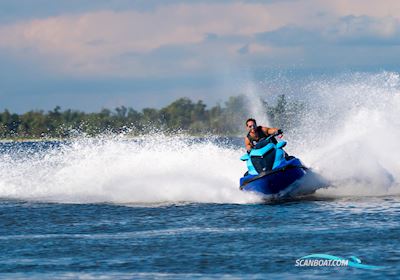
column 285, row 114
column 182, row 114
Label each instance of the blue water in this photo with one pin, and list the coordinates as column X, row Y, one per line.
column 42, row 240
column 183, row 240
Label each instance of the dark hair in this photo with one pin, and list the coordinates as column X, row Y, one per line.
column 251, row 120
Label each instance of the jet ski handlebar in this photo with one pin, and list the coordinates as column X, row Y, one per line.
column 270, row 139
column 278, row 132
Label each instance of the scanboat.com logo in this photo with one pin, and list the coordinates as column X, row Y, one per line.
column 329, row 260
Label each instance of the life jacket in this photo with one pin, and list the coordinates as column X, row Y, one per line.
column 261, row 135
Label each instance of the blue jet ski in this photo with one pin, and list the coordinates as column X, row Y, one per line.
column 271, row 172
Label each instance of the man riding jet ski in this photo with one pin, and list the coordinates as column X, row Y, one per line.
column 257, row 133
column 270, row 171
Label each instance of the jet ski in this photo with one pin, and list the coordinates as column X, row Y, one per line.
column 271, row 172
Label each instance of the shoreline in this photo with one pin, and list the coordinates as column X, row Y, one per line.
column 26, row 140
column 22, row 140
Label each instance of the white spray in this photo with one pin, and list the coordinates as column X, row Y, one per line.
column 146, row 170
column 350, row 133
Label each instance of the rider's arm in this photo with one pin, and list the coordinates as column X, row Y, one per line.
column 247, row 144
column 269, row 131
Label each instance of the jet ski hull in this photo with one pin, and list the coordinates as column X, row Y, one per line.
column 274, row 182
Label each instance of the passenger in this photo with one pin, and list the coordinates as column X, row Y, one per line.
column 257, row 133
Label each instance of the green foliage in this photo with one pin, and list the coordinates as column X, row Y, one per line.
column 182, row 114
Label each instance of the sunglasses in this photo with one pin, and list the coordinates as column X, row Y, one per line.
column 252, row 126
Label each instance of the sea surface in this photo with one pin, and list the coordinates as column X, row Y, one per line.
column 90, row 209
column 198, row 240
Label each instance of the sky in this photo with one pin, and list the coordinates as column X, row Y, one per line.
column 88, row 55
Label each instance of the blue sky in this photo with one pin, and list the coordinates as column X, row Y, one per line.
column 89, row 54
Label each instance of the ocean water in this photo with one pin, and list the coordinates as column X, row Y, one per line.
column 198, row 240
column 169, row 207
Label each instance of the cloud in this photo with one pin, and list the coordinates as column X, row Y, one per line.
column 349, row 30
column 244, row 50
column 87, row 43
column 12, row 11
column 364, row 30
column 290, row 36
column 374, row 9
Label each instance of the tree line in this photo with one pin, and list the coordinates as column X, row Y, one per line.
column 181, row 115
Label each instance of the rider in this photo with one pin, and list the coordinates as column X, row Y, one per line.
column 257, row 133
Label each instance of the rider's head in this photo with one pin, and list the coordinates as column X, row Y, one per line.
column 251, row 124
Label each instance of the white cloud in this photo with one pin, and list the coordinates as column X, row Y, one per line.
column 176, row 38
column 89, row 42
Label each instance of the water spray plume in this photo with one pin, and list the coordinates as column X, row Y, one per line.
column 147, row 169
column 348, row 133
